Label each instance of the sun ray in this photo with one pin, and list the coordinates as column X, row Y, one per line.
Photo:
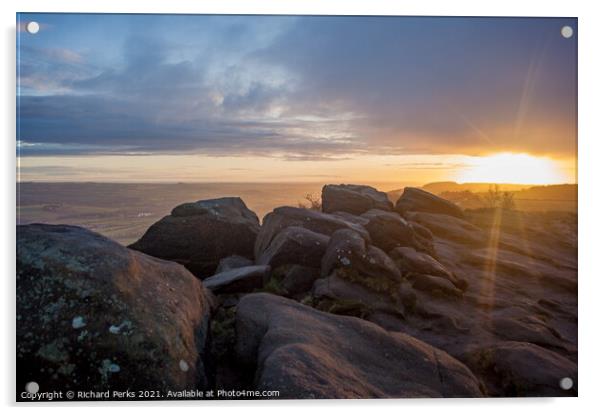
column 488, row 283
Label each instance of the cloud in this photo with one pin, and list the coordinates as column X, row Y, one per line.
column 429, row 166
column 62, row 172
column 306, row 88
column 435, row 84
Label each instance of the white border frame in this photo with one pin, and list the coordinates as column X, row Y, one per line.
column 590, row 209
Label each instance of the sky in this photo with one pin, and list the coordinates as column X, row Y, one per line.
column 296, row 98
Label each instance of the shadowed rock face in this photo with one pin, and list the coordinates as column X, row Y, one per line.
column 295, row 245
column 350, row 295
column 299, row 279
column 418, row 200
column 197, row 235
column 305, row 353
column 354, row 199
column 94, row 315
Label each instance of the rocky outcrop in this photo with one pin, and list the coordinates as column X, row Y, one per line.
column 354, row 199
column 418, row 200
column 305, row 353
column 295, row 245
column 198, row 235
column 389, row 305
column 238, row 280
column 94, row 315
column 284, row 217
column 352, row 258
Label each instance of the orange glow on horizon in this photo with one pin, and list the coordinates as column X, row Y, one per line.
column 513, row 168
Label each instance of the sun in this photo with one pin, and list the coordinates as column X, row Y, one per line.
column 512, row 168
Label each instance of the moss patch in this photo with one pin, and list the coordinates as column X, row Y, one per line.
column 223, row 332
column 274, row 284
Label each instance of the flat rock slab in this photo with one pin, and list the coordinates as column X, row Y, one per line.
column 231, row 262
column 237, row 280
column 306, row 353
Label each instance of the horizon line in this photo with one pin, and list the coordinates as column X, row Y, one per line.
column 285, row 182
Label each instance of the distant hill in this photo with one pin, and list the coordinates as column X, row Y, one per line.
column 567, row 192
column 440, row 187
column 561, row 197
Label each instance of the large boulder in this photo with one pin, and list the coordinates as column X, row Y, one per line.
column 305, row 353
column 388, row 230
column 94, row 315
column 418, row 200
column 295, row 245
column 197, row 235
column 350, row 256
column 315, row 221
column 354, row 199
column 522, row 369
column 238, row 280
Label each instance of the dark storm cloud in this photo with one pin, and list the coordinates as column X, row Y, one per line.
column 307, row 88
column 439, row 84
